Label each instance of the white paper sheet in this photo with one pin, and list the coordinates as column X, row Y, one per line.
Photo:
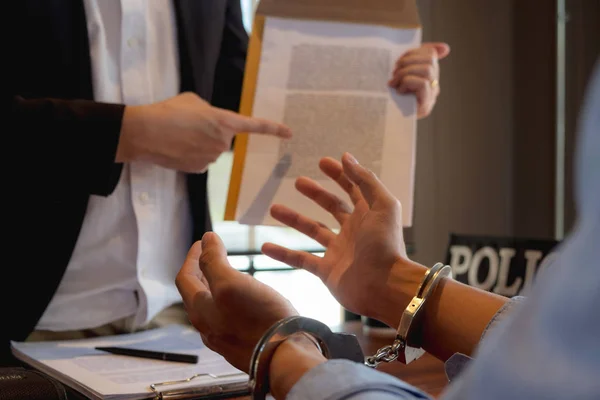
column 328, row 82
column 101, row 375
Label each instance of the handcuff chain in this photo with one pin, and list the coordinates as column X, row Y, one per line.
column 386, row 354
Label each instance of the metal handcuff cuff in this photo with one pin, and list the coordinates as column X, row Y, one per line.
column 405, row 348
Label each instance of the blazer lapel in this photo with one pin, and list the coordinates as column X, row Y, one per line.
column 70, row 28
column 192, row 45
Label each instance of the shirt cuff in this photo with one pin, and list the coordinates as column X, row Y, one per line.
column 344, row 379
column 502, row 313
column 457, row 362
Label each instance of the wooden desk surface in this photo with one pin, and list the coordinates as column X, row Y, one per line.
column 426, row 373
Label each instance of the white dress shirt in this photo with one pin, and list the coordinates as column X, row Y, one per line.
column 134, row 241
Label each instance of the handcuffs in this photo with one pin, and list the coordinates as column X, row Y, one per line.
column 405, row 348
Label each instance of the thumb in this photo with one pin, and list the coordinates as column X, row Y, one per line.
column 194, row 253
column 442, row 49
column 188, row 280
column 370, row 186
column 213, row 260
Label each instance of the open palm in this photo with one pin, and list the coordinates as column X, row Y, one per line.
column 359, row 259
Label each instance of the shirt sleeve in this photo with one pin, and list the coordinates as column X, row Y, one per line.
column 458, row 361
column 70, row 146
column 548, row 348
column 343, row 379
column 502, row 313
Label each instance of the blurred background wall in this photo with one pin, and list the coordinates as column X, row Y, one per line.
column 486, row 159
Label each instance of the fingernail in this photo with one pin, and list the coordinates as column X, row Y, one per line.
column 205, row 237
column 352, row 159
column 286, row 133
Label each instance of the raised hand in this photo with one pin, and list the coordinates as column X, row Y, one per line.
column 368, row 256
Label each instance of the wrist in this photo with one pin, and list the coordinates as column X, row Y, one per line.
column 400, row 288
column 131, row 126
column 292, row 359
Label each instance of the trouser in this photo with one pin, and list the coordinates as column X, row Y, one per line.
column 174, row 314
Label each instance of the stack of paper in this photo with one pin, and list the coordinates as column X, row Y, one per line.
column 100, row 375
column 322, row 68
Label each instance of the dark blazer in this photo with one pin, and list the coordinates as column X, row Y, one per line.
column 65, row 143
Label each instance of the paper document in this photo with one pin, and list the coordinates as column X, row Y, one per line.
column 328, row 82
column 100, row 375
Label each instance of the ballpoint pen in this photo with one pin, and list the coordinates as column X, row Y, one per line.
column 156, row 355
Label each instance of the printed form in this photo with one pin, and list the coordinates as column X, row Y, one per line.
column 328, row 82
column 100, row 375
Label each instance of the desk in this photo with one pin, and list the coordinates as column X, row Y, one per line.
column 426, row 373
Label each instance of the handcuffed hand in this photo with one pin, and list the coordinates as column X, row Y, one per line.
column 368, row 256
column 230, row 309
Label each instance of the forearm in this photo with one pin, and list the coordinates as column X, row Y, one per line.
column 454, row 317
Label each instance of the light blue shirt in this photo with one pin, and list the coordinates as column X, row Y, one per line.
column 549, row 345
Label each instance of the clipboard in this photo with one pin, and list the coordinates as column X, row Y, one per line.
column 384, row 13
column 216, row 391
column 99, row 375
